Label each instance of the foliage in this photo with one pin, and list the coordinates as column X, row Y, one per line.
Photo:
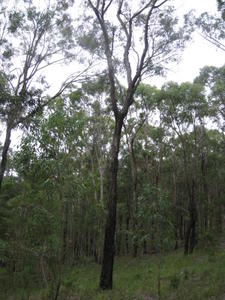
column 155, row 209
column 168, row 143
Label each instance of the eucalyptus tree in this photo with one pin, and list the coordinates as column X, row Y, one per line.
column 131, row 40
column 48, row 167
column 94, row 93
column 213, row 26
column 183, row 109
column 138, row 119
column 212, row 78
column 131, row 130
column 33, row 37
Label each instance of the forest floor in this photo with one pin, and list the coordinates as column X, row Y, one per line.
column 172, row 276
column 199, row 276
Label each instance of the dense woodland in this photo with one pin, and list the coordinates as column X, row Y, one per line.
column 109, row 165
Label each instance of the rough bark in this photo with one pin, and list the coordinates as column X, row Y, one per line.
column 205, row 190
column 190, row 236
column 127, row 228
column 5, row 153
column 60, row 236
column 106, row 279
column 134, row 195
column 175, row 209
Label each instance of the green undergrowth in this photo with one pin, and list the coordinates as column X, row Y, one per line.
column 171, row 276
column 198, row 276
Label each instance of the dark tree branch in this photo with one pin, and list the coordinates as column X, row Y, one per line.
column 213, row 41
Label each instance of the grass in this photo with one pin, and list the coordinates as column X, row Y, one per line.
column 200, row 276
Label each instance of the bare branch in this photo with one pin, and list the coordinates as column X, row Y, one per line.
column 150, row 3
column 92, row 5
column 137, row 76
column 66, row 84
column 107, row 7
column 108, row 54
column 128, row 33
column 213, row 41
column 163, row 2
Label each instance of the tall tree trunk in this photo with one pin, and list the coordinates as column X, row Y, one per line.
column 5, row 153
column 134, row 195
column 65, row 233
column 93, row 174
column 101, row 174
column 106, row 279
column 175, row 209
column 119, row 238
column 219, row 212
column 190, row 236
column 205, row 190
column 127, row 229
column 60, row 236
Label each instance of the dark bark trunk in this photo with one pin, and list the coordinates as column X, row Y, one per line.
column 219, row 211
column 60, row 246
column 190, row 236
column 119, row 239
column 106, row 279
column 186, row 240
column 144, row 247
column 5, row 153
column 93, row 176
column 86, row 248
column 181, row 228
column 153, row 229
column 205, row 190
column 127, row 234
column 175, row 209
column 134, row 194
column 65, row 234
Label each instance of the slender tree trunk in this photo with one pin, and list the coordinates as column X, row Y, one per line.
column 60, row 247
column 101, row 174
column 93, row 174
column 219, row 212
column 65, row 233
column 119, row 238
column 181, row 227
column 127, row 230
column 106, row 279
column 190, row 236
column 175, row 209
column 205, row 190
column 134, row 194
column 5, row 153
